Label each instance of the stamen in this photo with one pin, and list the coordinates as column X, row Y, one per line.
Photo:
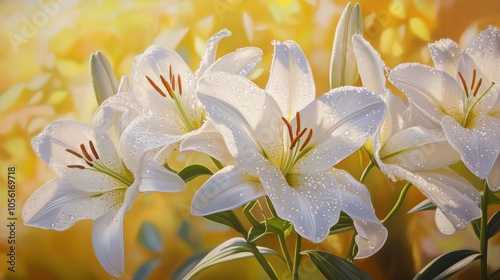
column 85, row 152
column 167, row 86
column 93, row 150
column 297, row 117
column 170, row 75
column 74, row 153
column 292, row 145
column 156, row 87
column 76, row 166
column 89, row 163
column 464, row 84
column 289, row 126
column 172, row 81
column 309, row 136
column 478, row 85
column 179, row 84
column 473, row 79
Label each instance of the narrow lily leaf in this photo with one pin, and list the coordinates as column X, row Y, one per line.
column 447, row 264
column 187, row 266
column 227, row 218
column 233, row 249
column 145, row 269
column 149, row 237
column 476, row 226
column 335, row 268
column 257, row 232
column 343, row 66
column 493, row 225
column 423, row 206
column 345, row 223
column 190, row 172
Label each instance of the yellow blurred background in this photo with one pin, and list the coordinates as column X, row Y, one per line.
column 44, row 76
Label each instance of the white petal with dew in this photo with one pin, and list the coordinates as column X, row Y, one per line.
column 156, row 178
column 494, row 177
column 57, row 205
column 445, row 54
column 53, row 143
column 342, row 120
column 240, row 62
column 311, row 202
column 478, row 147
column 370, row 65
column 291, row 81
column 211, row 48
column 227, row 189
column 356, row 203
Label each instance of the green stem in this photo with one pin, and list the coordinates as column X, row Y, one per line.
column 282, row 240
column 365, row 172
column 260, row 258
column 398, row 203
column 483, row 238
column 263, row 262
column 296, row 264
column 352, row 249
column 217, row 163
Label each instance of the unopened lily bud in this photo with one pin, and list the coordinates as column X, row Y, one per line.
column 343, row 66
column 103, row 79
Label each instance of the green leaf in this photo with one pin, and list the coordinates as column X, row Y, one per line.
column 344, row 224
column 149, row 237
column 227, row 218
column 333, row 267
column 423, row 206
column 145, row 269
column 447, row 264
column 257, row 232
column 493, row 198
column 476, row 226
column 233, row 249
column 274, row 225
column 187, row 266
column 190, row 172
column 493, row 225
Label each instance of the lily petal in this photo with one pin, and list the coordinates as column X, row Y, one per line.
column 446, row 54
column 371, row 67
column 356, row 203
column 484, row 50
column 417, row 148
column 156, row 61
column 444, row 225
column 250, row 120
column 115, row 114
column 240, row 62
column 107, row 240
column 434, row 92
column 342, row 120
column 208, row 141
column 227, row 189
column 291, row 81
column 57, row 139
column 311, row 202
column 156, row 178
column 211, row 48
column 479, row 146
column 57, row 205
column 494, row 177
column 145, row 134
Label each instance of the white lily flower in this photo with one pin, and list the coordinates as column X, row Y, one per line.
column 343, row 67
column 460, row 95
column 92, row 180
column 285, row 144
column 406, row 148
column 164, row 86
column 103, row 79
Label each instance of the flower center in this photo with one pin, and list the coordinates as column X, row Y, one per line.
column 173, row 87
column 472, row 97
column 95, row 164
column 297, row 148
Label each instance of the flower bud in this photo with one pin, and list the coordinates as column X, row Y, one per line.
column 103, row 79
column 343, row 66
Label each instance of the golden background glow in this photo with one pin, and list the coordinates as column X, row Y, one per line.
column 44, row 76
